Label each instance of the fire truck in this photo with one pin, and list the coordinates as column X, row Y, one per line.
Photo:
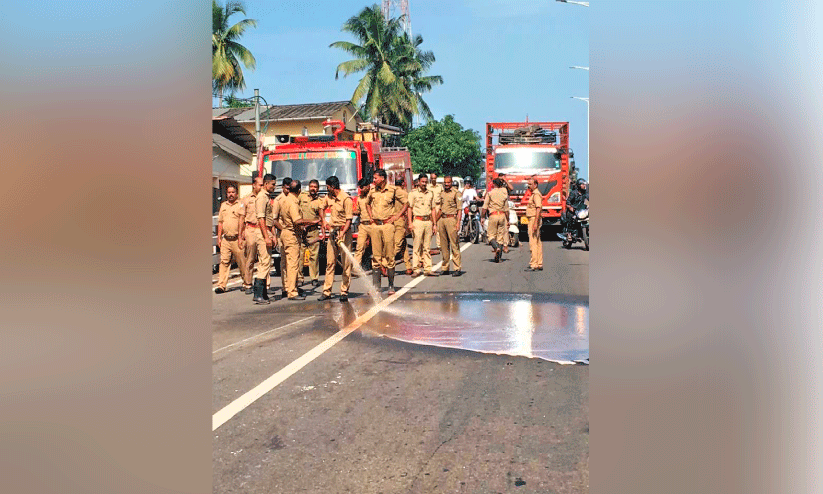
column 522, row 150
column 320, row 156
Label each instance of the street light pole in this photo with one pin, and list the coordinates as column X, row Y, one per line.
column 588, row 137
column 585, row 4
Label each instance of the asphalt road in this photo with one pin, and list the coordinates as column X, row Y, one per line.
column 373, row 414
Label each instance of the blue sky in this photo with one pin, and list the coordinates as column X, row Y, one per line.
column 500, row 60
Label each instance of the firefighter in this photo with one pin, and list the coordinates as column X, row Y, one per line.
column 310, row 205
column 363, row 233
column 230, row 226
column 448, row 222
column 420, row 214
column 495, row 206
column 264, row 240
column 380, row 206
column 250, row 232
column 401, row 229
column 436, row 190
column 339, row 229
column 534, row 212
column 289, row 221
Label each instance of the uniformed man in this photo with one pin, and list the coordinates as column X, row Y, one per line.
column 448, row 223
column 310, row 204
column 436, row 190
column 339, row 228
column 420, row 215
column 401, row 229
column 230, row 225
column 252, row 229
column 289, row 221
column 495, row 205
column 264, row 240
column 509, row 188
column 277, row 203
column 534, row 212
column 380, row 206
column 364, row 228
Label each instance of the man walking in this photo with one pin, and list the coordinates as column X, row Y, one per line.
column 310, row 204
column 436, row 190
column 264, row 241
column 448, row 222
column 289, row 220
column 252, row 229
column 230, row 226
column 420, row 213
column 380, row 206
column 339, row 229
column 495, row 204
column 534, row 212
column 400, row 226
column 364, row 228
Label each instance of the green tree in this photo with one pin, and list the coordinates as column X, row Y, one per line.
column 446, row 148
column 231, row 101
column 394, row 65
column 226, row 52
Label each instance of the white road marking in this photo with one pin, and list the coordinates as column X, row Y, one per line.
column 226, row 413
column 261, row 334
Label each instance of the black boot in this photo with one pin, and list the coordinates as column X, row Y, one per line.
column 375, row 279
column 391, row 281
column 495, row 245
column 259, row 291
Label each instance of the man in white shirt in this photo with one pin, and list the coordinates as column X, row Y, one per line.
column 470, row 194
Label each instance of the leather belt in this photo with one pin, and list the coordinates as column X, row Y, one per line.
column 365, row 222
column 231, row 238
column 423, row 218
column 378, row 222
column 497, row 212
column 448, row 215
column 252, row 225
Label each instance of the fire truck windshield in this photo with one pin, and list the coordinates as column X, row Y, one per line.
column 525, row 159
column 318, row 165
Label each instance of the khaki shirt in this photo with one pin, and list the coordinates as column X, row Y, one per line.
column 248, row 202
column 341, row 208
column 402, row 200
column 361, row 211
column 382, row 201
column 289, row 212
column 231, row 215
column 421, row 203
column 437, row 189
column 310, row 208
column 496, row 200
column 450, row 202
column 535, row 205
column 263, row 207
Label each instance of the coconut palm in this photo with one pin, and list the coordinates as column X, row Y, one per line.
column 226, row 52
column 394, row 67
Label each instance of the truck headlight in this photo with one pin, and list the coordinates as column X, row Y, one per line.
column 554, row 197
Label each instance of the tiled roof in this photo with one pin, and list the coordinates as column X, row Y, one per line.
column 283, row 112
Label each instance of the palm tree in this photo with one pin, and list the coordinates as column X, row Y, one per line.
column 394, row 68
column 226, row 53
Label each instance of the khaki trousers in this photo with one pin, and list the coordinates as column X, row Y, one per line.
column 251, row 251
column 422, row 241
column 362, row 235
column 447, row 231
column 290, row 254
column 229, row 249
column 263, row 256
column 400, row 243
column 333, row 251
column 314, row 260
column 497, row 229
column 382, row 245
column 535, row 247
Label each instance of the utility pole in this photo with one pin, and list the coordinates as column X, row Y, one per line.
column 257, row 116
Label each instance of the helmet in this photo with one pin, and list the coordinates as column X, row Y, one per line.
column 581, row 181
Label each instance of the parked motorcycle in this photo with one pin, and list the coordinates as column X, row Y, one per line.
column 579, row 229
column 514, row 229
column 470, row 226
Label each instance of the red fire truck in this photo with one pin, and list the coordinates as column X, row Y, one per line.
column 521, row 150
column 320, row 156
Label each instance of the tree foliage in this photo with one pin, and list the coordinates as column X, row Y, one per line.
column 227, row 54
column 395, row 69
column 446, row 148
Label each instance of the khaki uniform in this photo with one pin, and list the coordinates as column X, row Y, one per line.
column 311, row 211
column 496, row 202
column 364, row 230
column 250, row 233
column 436, row 190
column 400, row 227
column 263, row 210
column 450, row 204
column 341, row 211
column 290, row 244
column 421, row 205
column 381, row 202
column 231, row 216
column 533, row 213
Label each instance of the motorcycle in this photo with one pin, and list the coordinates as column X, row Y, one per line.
column 470, row 227
column 579, row 228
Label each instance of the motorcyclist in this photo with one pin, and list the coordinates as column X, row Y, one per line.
column 576, row 201
column 470, row 194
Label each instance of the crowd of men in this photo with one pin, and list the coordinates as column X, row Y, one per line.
column 295, row 222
